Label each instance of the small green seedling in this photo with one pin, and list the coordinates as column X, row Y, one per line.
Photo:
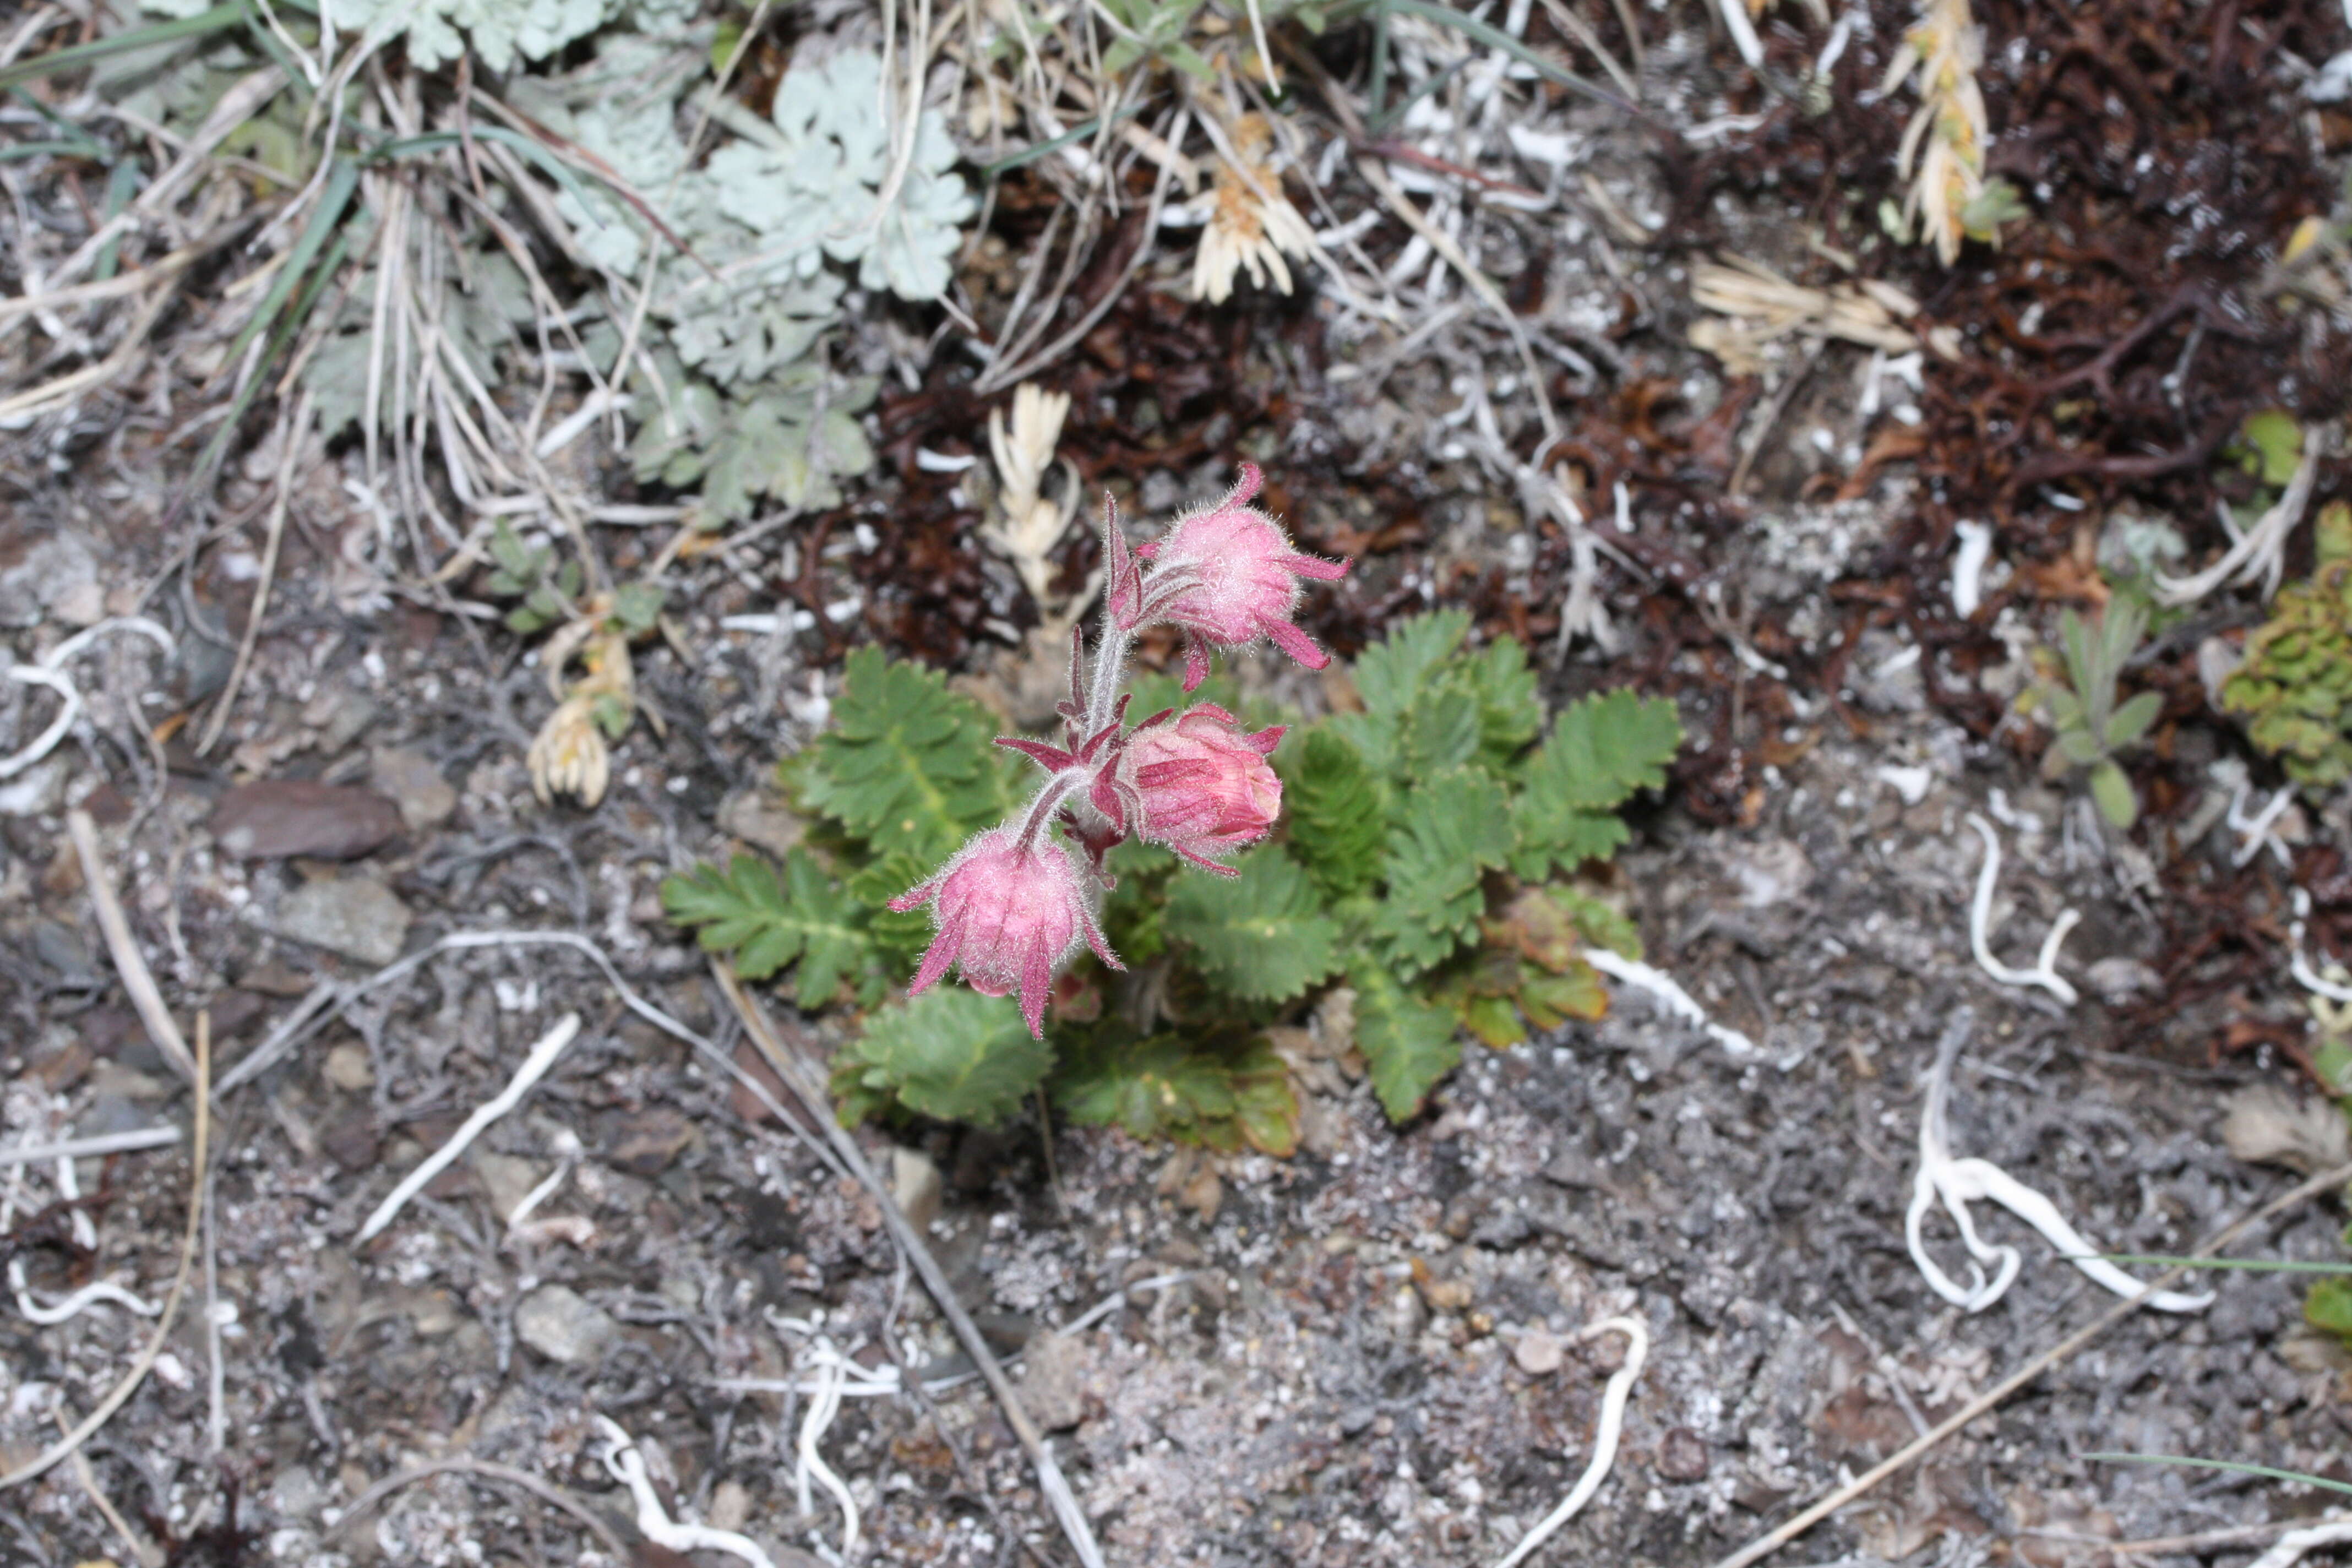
column 2093, row 727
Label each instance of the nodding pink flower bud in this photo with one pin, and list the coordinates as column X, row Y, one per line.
column 1008, row 914
column 1201, row 786
column 1231, row 577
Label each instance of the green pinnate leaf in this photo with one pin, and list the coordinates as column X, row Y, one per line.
column 950, row 1053
column 1440, row 730
column 2331, row 1063
column 1261, row 936
column 2293, row 690
column 1408, row 1045
column 1266, row 1106
column 1493, row 1020
column 769, row 921
column 1550, row 1000
column 1510, row 712
column 1150, row 1088
column 1336, row 808
column 1602, row 748
column 1450, row 832
column 1393, row 673
column 1222, row 1091
column 898, row 940
column 908, row 764
column 2273, row 446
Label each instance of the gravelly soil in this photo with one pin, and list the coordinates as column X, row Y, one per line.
column 1369, row 1353
column 1340, row 1375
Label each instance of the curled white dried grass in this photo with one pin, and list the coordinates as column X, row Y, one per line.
column 68, row 1307
column 541, row 1057
column 2044, row 972
column 626, row 1465
column 1956, row 1184
column 1605, row 1434
column 49, row 671
column 2259, row 554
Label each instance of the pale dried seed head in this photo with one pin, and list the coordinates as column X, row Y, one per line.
column 1251, row 224
column 1026, row 525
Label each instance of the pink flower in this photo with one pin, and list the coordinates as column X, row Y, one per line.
column 1229, row 577
column 1008, row 914
column 1202, row 787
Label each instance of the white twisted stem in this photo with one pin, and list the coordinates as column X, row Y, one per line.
column 627, row 1465
column 2045, row 972
column 1956, row 1183
column 72, row 1306
column 50, row 672
column 534, row 1068
column 1605, row 1434
column 2307, row 977
column 2291, row 1548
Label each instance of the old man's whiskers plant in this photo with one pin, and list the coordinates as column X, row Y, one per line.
column 1418, row 852
column 1013, row 905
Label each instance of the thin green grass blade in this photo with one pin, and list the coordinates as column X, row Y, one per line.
column 1494, row 37
column 1381, row 124
column 1078, row 132
column 218, row 19
column 268, row 41
column 279, row 337
column 324, row 232
column 91, row 147
column 426, row 141
column 2250, row 1265
column 2320, row 1481
column 16, row 152
column 324, row 218
column 121, row 184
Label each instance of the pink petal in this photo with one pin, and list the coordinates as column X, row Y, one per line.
column 1052, row 759
column 1265, row 741
column 1315, row 566
column 1217, row 867
column 1297, row 644
column 1196, row 665
column 1176, row 769
column 1097, row 941
column 1210, row 711
column 936, row 960
column 1036, row 984
column 1104, row 795
column 914, row 897
column 1251, row 483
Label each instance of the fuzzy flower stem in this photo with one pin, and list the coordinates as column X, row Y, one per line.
column 1110, row 674
column 1046, row 802
column 1111, row 658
